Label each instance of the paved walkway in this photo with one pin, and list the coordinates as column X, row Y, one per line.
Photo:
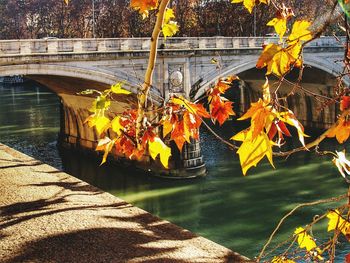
column 49, row 216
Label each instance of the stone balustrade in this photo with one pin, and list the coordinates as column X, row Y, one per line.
column 57, row 46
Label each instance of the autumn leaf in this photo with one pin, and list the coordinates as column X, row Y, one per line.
column 251, row 152
column 300, row 31
column 220, row 88
column 106, row 145
column 117, row 89
column 221, row 110
column 261, row 116
column 157, row 147
column 66, row 1
column 249, row 4
column 280, row 25
column 101, row 123
column 289, row 118
column 169, row 29
column 336, row 221
column 143, row 6
column 304, row 239
column 344, row 103
column 279, row 60
column 341, row 131
column 191, row 107
column 347, row 258
column 116, row 125
column 342, row 163
column 282, row 260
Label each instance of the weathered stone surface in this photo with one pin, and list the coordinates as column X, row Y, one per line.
column 49, row 216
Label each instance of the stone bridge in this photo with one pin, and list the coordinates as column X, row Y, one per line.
column 70, row 65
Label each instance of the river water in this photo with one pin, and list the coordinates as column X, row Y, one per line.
column 235, row 211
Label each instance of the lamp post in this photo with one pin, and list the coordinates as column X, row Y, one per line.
column 93, row 19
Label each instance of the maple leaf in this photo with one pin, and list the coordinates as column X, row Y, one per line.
column 253, row 150
column 341, row 131
column 342, row 164
column 261, row 116
column 220, row 88
column 117, row 89
column 180, row 134
column 101, row 123
column 279, row 60
column 249, row 4
column 300, row 32
column 220, row 110
column 336, row 221
column 191, row 107
column 282, row 260
column 143, row 6
column 158, row 147
column 289, row 118
column 116, row 125
column 280, row 25
column 106, row 145
column 347, row 258
column 304, row 239
column 344, row 103
column 169, row 29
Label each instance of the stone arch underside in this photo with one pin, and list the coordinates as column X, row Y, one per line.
column 67, row 79
column 317, row 62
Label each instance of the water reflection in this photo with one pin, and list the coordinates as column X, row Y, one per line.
column 235, row 211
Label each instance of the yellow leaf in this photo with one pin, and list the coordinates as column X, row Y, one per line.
column 169, row 29
column 304, row 239
column 280, row 25
column 279, row 60
column 117, row 89
column 169, row 14
column 106, row 145
column 158, row 147
column 300, row 31
column 102, row 123
column 282, row 260
column 116, row 126
column 266, row 92
column 289, row 117
column 252, row 151
column 167, row 127
column 337, row 222
column 249, row 4
column 66, row 1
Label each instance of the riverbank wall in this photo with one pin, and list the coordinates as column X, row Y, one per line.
column 49, row 216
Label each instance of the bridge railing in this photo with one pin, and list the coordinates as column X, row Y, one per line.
column 57, row 46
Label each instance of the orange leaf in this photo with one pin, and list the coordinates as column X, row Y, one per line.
column 221, row 110
column 344, row 103
column 341, row 131
column 144, row 6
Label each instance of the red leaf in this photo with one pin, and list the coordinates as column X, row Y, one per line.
column 221, row 110
column 283, row 128
column 272, row 131
column 344, row 103
column 347, row 258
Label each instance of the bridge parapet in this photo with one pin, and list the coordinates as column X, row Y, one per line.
column 62, row 46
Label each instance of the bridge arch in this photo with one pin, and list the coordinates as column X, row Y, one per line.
column 51, row 71
column 236, row 69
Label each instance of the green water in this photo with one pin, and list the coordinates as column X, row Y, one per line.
column 235, row 211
